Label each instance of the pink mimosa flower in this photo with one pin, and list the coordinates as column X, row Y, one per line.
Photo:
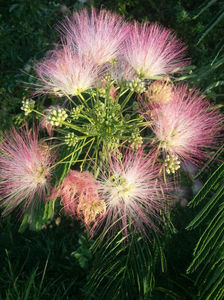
column 122, row 72
column 133, row 192
column 98, row 36
column 64, row 73
column 24, row 169
column 79, row 193
column 153, row 50
column 185, row 126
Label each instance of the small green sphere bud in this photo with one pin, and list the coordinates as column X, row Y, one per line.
column 172, row 163
column 71, row 139
column 28, row 106
column 57, row 116
column 137, row 85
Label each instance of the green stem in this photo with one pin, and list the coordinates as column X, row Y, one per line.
column 127, row 99
column 73, row 126
column 69, row 98
column 37, row 112
column 80, row 96
column 72, row 153
column 93, row 139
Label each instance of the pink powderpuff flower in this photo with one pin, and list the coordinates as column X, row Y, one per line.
column 79, row 193
column 64, row 73
column 185, row 126
column 153, row 50
column 160, row 92
column 122, row 72
column 24, row 169
column 98, row 36
column 133, row 193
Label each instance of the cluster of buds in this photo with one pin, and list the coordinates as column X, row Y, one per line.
column 109, row 115
column 70, row 139
column 75, row 113
column 112, row 144
column 136, row 139
column 172, row 163
column 137, row 85
column 57, row 116
column 28, row 106
column 107, row 80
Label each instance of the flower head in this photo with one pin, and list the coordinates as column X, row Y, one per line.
column 160, row 92
column 132, row 191
column 122, row 72
column 63, row 72
column 24, row 169
column 153, row 50
column 79, row 193
column 98, row 36
column 186, row 125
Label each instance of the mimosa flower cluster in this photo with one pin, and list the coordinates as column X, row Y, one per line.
column 121, row 126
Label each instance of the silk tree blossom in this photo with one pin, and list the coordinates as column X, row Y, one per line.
column 186, row 126
column 63, row 72
column 25, row 163
column 79, row 194
column 98, row 36
column 122, row 72
column 160, row 92
column 133, row 192
column 153, row 50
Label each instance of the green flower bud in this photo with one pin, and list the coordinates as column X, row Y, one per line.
column 28, row 106
column 57, row 116
column 71, row 139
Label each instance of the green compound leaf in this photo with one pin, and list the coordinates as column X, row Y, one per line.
column 208, row 254
column 212, row 24
column 203, row 7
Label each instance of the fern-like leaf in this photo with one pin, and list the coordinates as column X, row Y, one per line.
column 208, row 254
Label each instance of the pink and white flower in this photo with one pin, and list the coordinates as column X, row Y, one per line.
column 98, row 36
column 186, row 126
column 24, row 169
column 133, row 192
column 79, row 194
column 63, row 72
column 153, row 50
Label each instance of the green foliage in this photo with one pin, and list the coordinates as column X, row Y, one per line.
column 209, row 252
column 38, row 265
column 124, row 267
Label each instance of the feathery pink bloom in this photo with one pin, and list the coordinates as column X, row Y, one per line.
column 24, row 169
column 79, row 193
column 133, row 192
column 160, row 92
column 186, row 126
column 98, row 36
column 63, row 72
column 153, row 50
column 122, row 72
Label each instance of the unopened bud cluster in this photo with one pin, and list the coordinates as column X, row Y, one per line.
column 136, row 139
column 28, row 106
column 57, row 116
column 112, row 143
column 70, row 139
column 108, row 115
column 107, row 79
column 137, row 85
column 75, row 113
column 172, row 163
